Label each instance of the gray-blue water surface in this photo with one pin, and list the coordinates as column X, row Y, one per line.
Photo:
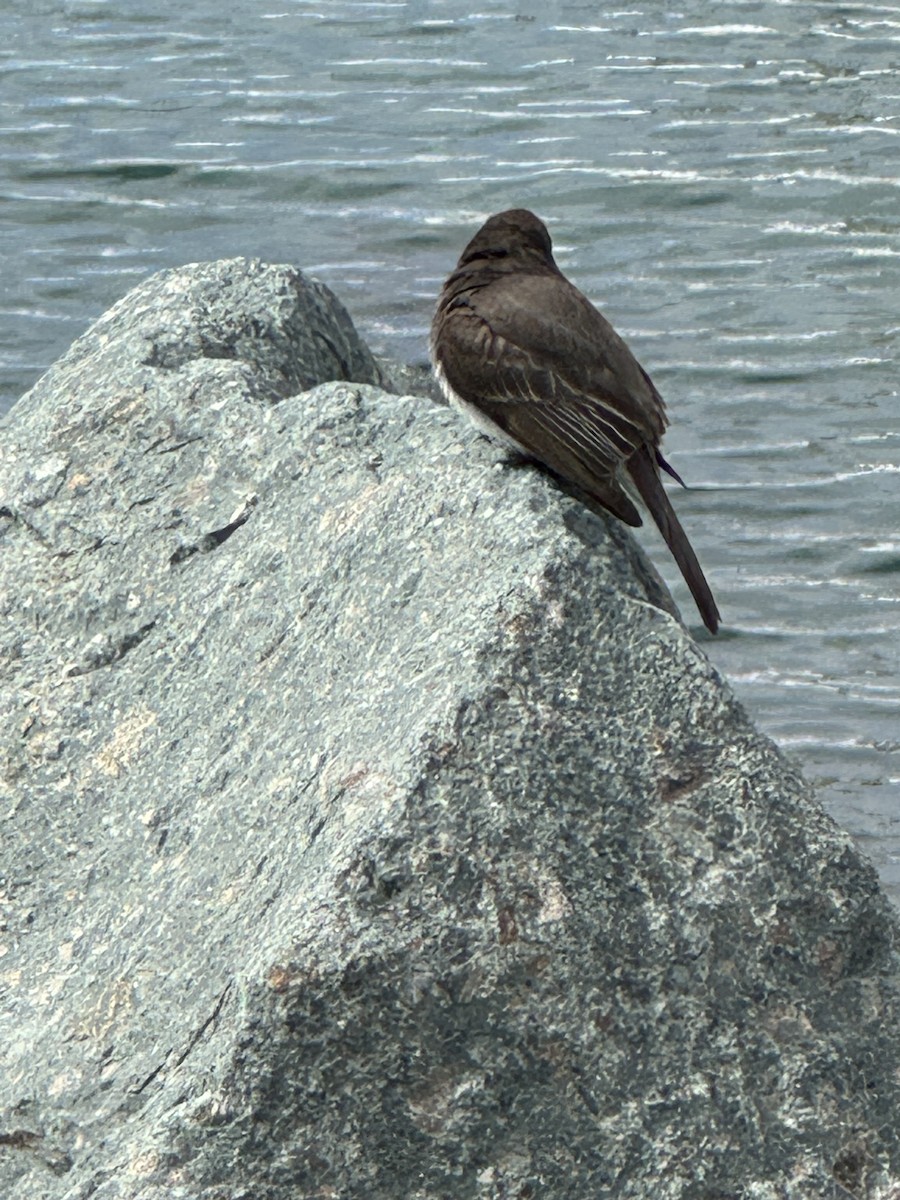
column 721, row 178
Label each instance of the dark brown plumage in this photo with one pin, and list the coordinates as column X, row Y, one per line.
column 519, row 349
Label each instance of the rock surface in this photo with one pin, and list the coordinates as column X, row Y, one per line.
column 372, row 829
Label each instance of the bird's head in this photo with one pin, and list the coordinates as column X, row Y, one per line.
column 516, row 234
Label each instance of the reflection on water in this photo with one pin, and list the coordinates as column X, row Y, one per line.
column 719, row 183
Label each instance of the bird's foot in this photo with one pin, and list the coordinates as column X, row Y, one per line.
column 513, row 460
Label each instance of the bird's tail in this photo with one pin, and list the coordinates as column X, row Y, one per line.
column 643, row 471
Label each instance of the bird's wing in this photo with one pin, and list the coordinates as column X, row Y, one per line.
column 540, row 361
column 550, row 322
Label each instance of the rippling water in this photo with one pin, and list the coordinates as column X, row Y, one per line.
column 722, row 179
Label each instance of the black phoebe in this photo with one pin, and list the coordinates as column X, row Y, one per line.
column 523, row 353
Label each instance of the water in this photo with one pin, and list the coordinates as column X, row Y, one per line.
column 721, row 178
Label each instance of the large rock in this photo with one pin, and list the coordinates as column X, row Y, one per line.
column 372, row 828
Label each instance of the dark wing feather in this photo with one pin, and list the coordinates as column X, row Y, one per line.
column 551, row 322
column 554, row 375
column 567, row 437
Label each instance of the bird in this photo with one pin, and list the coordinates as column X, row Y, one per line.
column 526, row 356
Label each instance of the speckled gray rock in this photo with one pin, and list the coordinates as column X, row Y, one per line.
column 370, row 827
